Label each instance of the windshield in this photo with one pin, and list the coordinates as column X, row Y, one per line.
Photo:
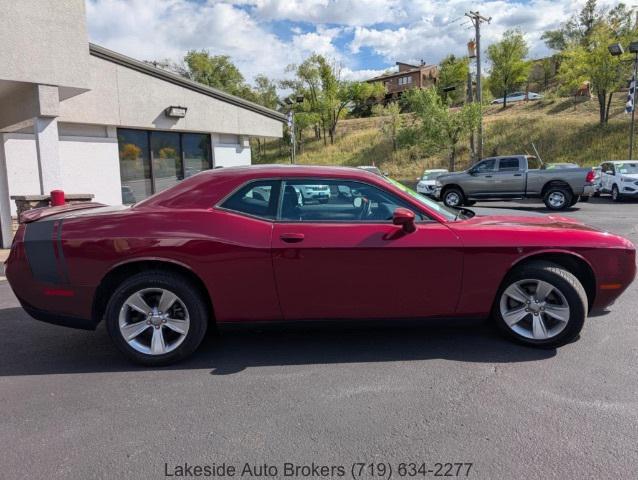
column 431, row 175
column 628, row 168
column 448, row 213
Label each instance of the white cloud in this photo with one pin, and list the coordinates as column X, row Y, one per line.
column 250, row 31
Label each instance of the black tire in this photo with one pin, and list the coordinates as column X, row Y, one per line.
column 453, row 197
column 556, row 192
column 562, row 280
column 615, row 194
column 187, row 293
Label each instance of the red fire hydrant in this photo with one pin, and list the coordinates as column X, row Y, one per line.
column 57, row 198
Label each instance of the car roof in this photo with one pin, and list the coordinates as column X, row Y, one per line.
column 207, row 187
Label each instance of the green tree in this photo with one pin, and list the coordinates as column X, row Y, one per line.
column 578, row 28
column 453, row 72
column 509, row 67
column 593, row 63
column 265, row 92
column 439, row 126
column 326, row 95
column 391, row 122
column 217, row 71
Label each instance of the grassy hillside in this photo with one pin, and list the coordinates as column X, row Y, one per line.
column 562, row 130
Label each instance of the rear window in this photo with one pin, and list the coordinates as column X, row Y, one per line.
column 257, row 199
column 508, row 164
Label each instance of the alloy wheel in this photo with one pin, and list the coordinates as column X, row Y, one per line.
column 452, row 199
column 557, row 199
column 154, row 321
column 534, row 309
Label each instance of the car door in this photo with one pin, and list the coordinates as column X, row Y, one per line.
column 509, row 178
column 345, row 258
column 480, row 181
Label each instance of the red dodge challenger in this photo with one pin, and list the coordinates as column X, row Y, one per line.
column 273, row 243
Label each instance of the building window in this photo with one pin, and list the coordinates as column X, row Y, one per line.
column 405, row 80
column 151, row 161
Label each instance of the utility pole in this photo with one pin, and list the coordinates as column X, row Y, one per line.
column 477, row 19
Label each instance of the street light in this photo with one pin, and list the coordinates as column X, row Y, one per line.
column 617, row 50
column 290, row 101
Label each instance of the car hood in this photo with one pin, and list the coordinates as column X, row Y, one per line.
column 427, row 182
column 516, row 218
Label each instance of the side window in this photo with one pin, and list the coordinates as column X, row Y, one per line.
column 257, row 199
column 485, row 166
column 508, row 165
column 319, row 200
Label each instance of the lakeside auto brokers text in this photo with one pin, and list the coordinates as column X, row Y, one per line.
column 355, row 470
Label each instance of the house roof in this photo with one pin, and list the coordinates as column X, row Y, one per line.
column 128, row 62
column 404, row 72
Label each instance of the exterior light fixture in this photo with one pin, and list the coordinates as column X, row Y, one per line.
column 175, row 112
column 616, row 49
column 633, row 47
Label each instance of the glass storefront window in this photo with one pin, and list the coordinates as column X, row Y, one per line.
column 167, row 160
column 135, row 168
column 173, row 156
column 196, row 153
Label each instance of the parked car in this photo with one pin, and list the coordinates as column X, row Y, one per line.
column 314, row 193
column 206, row 251
column 515, row 177
column 551, row 166
column 517, row 97
column 620, row 179
column 427, row 182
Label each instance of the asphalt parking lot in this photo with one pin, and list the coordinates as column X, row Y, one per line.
column 72, row 407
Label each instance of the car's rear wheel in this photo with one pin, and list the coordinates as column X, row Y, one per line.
column 156, row 318
column 615, row 194
column 453, row 197
column 557, row 198
column 541, row 304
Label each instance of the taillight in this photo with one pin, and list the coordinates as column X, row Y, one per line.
column 591, row 175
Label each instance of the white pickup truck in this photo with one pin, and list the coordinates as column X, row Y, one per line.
column 515, row 177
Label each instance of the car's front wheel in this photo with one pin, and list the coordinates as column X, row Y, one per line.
column 156, row 318
column 615, row 194
column 541, row 304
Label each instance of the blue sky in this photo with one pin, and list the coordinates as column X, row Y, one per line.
column 365, row 37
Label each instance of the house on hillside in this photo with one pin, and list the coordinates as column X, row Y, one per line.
column 408, row 76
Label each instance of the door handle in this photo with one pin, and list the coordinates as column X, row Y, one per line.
column 518, row 174
column 488, row 176
column 292, row 237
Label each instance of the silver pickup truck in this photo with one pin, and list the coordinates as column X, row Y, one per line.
column 514, row 177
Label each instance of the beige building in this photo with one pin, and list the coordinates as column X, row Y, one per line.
column 407, row 77
column 84, row 119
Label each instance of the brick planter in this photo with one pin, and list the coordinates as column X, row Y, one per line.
column 29, row 202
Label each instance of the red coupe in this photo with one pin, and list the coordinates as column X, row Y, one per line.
column 249, row 244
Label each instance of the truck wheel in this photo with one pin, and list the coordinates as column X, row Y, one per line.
column 453, row 197
column 615, row 194
column 557, row 198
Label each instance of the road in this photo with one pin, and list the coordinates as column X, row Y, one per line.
column 72, row 408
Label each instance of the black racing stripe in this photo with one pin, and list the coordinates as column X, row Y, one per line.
column 40, row 251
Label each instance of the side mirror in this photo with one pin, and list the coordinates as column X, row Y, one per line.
column 404, row 218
